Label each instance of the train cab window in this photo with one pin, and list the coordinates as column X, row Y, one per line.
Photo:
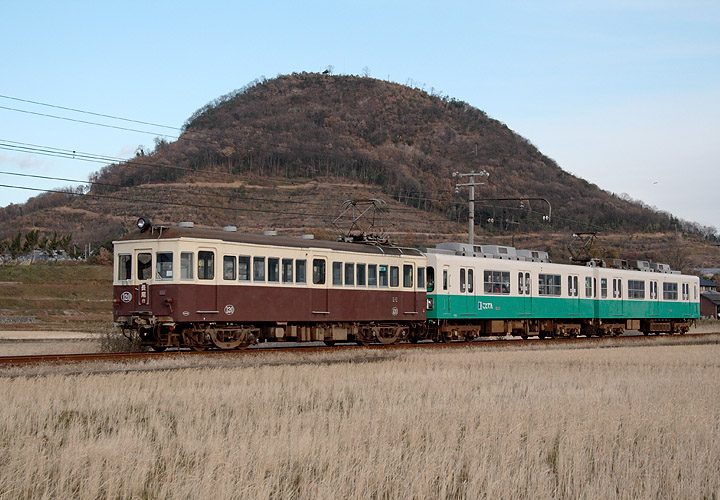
column 430, row 279
column 287, row 271
column 349, row 274
column 383, row 281
column 588, row 287
column 274, row 269
column 244, row 268
column 421, row 278
column 206, row 265
column 372, row 275
column 360, row 274
column 337, row 273
column 394, row 276
column 670, row 291
column 186, row 265
column 258, row 268
column 408, row 276
column 462, row 280
column 124, row 266
column 164, row 265
column 300, row 271
column 318, row 272
column 603, row 288
column 144, row 266
column 229, row 266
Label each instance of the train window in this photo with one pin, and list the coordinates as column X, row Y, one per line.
column 588, row 287
column 360, row 274
column 206, row 265
column 617, row 288
column 244, row 268
column 349, row 274
column 521, row 286
column 318, row 272
column 287, row 271
column 421, row 278
column 470, row 281
column 430, row 279
column 229, row 265
column 258, row 268
column 527, row 283
column 549, row 284
column 407, row 276
column 274, row 269
column 394, row 276
column 186, row 265
column 337, row 273
column 636, row 289
column 670, row 291
column 300, row 266
column 163, row 265
column 462, row 280
column 497, row 282
column 372, row 274
column 570, row 288
column 603, row 288
column 144, row 266
column 575, row 286
column 383, row 281
column 445, row 279
column 124, row 266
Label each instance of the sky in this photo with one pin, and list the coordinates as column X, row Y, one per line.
column 625, row 94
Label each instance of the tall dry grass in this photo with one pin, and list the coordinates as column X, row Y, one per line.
column 613, row 423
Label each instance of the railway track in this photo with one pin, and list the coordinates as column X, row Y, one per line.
column 258, row 351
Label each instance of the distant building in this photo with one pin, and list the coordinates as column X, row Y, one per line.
column 708, row 286
column 710, row 304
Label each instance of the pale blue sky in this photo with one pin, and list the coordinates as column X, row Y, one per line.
column 623, row 94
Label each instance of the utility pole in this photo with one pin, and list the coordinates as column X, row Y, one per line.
column 471, row 204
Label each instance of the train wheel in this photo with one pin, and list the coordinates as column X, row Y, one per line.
column 388, row 335
column 229, row 339
column 158, row 348
column 329, row 343
column 194, row 339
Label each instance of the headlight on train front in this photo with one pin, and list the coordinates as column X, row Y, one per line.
column 430, row 303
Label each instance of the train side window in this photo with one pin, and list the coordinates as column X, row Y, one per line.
column 229, row 266
column 206, row 265
column 372, row 274
column 430, row 279
column 124, row 266
column 318, row 272
column 445, row 279
column 421, row 278
column 462, row 280
column 575, row 286
column 636, row 289
column 527, row 283
column 361, row 274
column 300, row 271
column 349, row 274
column 244, row 268
column 394, row 276
column 164, row 265
column 274, row 269
column 670, row 291
column 497, row 282
column 383, row 281
column 549, row 284
column 287, row 270
column 258, row 268
column 186, row 265
column 144, row 266
column 588, row 287
column 521, row 286
column 570, row 288
column 337, row 273
column 603, row 288
column 407, row 276
column 470, row 280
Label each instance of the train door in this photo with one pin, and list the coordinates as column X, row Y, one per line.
column 445, row 289
column 654, row 299
column 407, row 296
column 319, row 290
column 206, row 296
column 143, row 277
column 573, row 295
column 618, row 307
column 468, row 302
column 525, row 292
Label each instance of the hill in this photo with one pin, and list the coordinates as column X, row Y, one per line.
column 285, row 153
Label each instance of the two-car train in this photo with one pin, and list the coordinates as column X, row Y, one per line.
column 182, row 286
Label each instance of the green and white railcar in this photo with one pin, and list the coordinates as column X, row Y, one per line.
column 491, row 290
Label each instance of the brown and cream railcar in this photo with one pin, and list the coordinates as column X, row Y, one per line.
column 184, row 286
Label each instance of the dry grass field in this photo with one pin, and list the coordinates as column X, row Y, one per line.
column 627, row 422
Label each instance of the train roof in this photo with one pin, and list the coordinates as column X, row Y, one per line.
column 176, row 232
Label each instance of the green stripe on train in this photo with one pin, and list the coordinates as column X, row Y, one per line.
column 499, row 307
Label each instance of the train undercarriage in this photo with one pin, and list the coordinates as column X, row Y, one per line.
column 160, row 333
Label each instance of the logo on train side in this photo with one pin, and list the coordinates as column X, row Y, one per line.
column 484, row 306
column 229, row 309
column 395, row 311
column 126, row 297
